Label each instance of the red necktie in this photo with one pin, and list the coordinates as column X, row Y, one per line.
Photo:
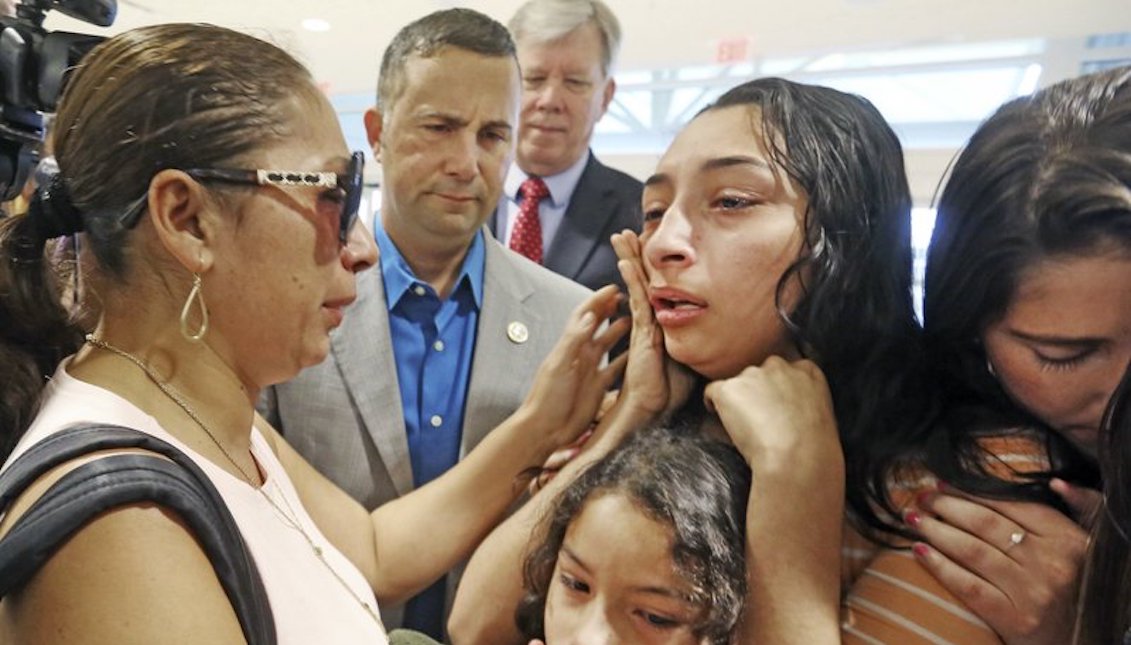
column 526, row 238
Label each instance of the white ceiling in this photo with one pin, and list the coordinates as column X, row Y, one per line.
column 658, row 33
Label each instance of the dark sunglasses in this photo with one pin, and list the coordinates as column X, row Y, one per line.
column 348, row 182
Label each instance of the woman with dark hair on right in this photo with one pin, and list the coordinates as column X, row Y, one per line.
column 1027, row 312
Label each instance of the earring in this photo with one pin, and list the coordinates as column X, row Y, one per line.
column 990, row 367
column 195, row 295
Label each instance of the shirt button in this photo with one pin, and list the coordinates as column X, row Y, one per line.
column 438, row 345
column 418, row 290
column 436, row 421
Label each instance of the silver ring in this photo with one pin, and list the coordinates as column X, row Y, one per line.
column 1015, row 538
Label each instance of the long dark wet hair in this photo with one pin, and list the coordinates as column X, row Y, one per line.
column 855, row 317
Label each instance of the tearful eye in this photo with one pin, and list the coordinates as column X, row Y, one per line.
column 734, row 203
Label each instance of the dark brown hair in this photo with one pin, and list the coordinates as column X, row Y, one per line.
column 1046, row 175
column 167, row 96
column 461, row 28
column 854, row 316
column 1105, row 596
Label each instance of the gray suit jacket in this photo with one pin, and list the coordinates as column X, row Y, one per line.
column 605, row 201
column 344, row 415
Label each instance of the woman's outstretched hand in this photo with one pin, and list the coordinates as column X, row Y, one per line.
column 572, row 381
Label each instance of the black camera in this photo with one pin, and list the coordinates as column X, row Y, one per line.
column 33, row 67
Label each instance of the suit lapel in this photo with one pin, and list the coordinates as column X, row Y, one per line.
column 584, row 223
column 505, row 292
column 363, row 349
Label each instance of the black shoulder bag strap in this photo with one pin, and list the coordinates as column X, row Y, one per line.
column 174, row 482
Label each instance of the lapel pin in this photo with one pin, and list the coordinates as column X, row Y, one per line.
column 517, row 332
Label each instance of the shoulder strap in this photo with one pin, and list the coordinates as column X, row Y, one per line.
column 175, row 483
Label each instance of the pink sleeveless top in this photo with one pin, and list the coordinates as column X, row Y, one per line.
column 309, row 603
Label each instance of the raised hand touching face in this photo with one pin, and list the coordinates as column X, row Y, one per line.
column 780, row 415
column 654, row 383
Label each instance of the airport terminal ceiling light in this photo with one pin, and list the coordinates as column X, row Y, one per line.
column 934, row 96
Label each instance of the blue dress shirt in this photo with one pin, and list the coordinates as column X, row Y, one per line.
column 433, row 344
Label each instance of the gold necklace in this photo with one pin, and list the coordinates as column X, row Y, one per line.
column 290, row 520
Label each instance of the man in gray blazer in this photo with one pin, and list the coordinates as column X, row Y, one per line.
column 444, row 339
column 566, row 49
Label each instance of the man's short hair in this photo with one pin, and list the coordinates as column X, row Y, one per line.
column 461, row 28
column 544, row 21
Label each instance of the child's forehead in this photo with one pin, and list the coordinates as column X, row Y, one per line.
column 613, row 530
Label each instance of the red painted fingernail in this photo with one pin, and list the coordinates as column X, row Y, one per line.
column 921, row 550
column 924, row 498
column 942, row 486
column 912, row 519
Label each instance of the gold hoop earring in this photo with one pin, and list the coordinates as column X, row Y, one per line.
column 195, row 295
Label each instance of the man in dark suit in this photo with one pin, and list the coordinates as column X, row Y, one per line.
column 566, row 49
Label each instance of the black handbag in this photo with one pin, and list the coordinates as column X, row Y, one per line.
column 174, row 482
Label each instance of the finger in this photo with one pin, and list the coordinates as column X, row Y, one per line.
column 637, row 245
column 980, row 596
column 590, row 356
column 604, row 301
column 969, row 531
column 610, row 374
column 636, row 283
column 583, row 438
column 616, row 367
column 610, row 399
column 812, row 369
column 610, row 335
column 1083, row 501
column 576, row 334
column 625, row 245
column 714, row 395
column 586, row 319
column 643, row 320
column 559, row 458
column 541, row 480
column 985, row 559
column 1033, row 517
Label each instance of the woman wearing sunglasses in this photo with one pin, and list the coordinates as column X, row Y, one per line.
column 218, row 206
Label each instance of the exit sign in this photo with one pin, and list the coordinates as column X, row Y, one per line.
column 732, row 50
